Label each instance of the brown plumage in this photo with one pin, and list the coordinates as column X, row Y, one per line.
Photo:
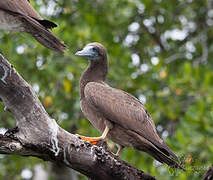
column 19, row 16
column 115, row 113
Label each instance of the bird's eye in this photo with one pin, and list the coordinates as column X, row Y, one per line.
column 95, row 49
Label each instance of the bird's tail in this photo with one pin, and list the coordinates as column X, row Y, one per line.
column 164, row 156
column 44, row 36
column 49, row 40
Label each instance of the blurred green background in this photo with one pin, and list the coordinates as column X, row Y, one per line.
column 159, row 50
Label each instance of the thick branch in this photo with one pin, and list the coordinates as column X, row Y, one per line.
column 39, row 135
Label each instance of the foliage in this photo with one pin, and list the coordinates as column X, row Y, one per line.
column 158, row 50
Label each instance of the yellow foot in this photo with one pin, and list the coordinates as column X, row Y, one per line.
column 92, row 140
column 95, row 140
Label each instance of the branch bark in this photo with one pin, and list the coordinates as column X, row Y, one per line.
column 39, row 135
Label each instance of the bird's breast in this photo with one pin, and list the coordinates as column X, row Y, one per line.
column 95, row 117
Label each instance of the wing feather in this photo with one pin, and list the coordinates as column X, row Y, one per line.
column 22, row 7
column 123, row 109
column 127, row 111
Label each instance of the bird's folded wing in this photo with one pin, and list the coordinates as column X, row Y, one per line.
column 123, row 109
column 22, row 7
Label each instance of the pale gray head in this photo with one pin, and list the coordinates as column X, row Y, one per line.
column 90, row 52
column 93, row 51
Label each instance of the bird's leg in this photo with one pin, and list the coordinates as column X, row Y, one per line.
column 119, row 149
column 95, row 140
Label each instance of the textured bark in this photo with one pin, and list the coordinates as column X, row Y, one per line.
column 39, row 135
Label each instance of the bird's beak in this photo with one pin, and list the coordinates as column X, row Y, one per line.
column 86, row 52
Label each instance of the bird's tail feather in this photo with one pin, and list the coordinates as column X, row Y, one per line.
column 44, row 36
column 160, row 151
column 171, row 153
column 49, row 40
column 170, row 160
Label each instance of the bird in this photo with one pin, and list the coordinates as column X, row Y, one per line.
column 209, row 174
column 20, row 16
column 116, row 114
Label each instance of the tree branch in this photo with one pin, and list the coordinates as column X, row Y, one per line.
column 39, row 135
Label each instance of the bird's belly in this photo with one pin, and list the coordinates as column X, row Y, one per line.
column 123, row 137
column 10, row 22
column 117, row 134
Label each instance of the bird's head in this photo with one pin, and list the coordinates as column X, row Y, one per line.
column 93, row 52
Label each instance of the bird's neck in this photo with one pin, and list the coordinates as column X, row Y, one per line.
column 95, row 72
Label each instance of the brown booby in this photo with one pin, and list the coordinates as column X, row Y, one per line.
column 19, row 16
column 118, row 115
